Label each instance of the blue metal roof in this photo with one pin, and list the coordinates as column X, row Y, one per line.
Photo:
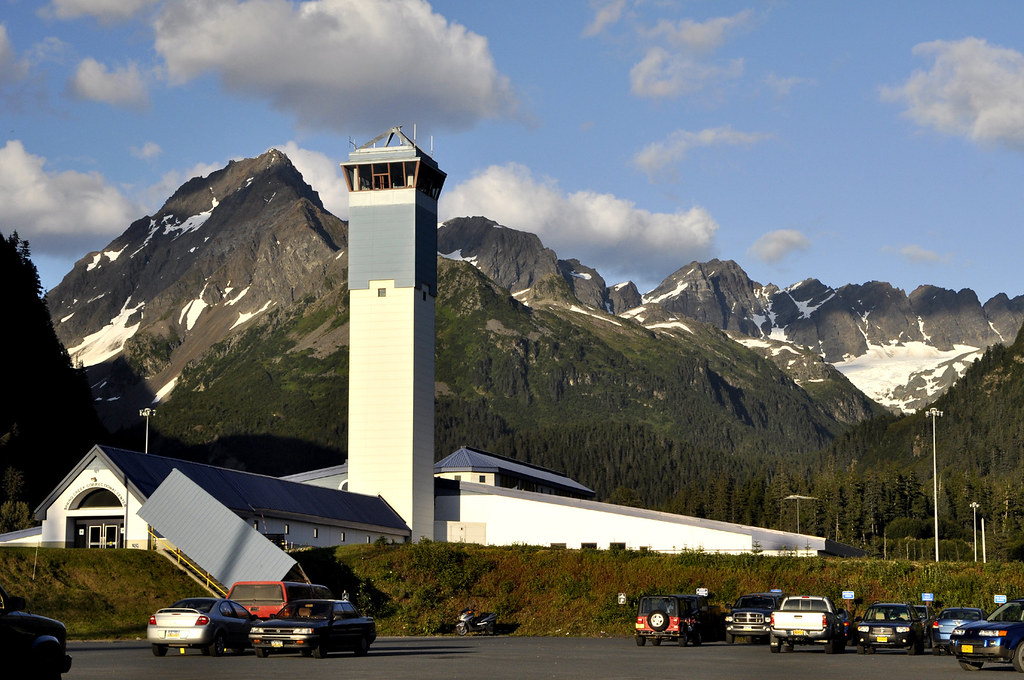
column 247, row 491
column 473, row 460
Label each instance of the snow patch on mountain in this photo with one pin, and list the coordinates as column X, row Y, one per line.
column 242, row 318
column 883, row 369
column 107, row 342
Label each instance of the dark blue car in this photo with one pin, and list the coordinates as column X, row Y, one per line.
column 997, row 638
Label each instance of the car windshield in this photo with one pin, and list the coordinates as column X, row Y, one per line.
column 887, row 613
column 755, row 602
column 198, row 605
column 258, row 593
column 960, row 615
column 306, row 610
column 800, row 604
column 1011, row 611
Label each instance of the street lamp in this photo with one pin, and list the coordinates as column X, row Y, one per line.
column 934, row 413
column 974, row 507
column 797, row 497
column 147, row 413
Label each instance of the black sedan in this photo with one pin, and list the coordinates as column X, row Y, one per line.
column 889, row 625
column 314, row 628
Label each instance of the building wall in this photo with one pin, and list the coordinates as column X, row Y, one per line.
column 508, row 520
column 59, row 526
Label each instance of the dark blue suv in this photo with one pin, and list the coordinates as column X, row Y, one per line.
column 997, row 638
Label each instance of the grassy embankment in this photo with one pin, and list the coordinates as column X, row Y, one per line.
column 418, row 589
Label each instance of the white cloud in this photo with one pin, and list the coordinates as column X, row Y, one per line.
column 123, row 86
column 677, row 59
column 146, row 151
column 782, row 87
column 338, row 64
column 605, row 14
column 655, row 157
column 58, row 212
column 973, row 89
column 12, row 69
column 323, row 173
column 917, row 254
column 777, row 245
column 104, row 10
column 608, row 233
column 702, row 37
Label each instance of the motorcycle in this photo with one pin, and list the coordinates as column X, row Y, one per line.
column 471, row 621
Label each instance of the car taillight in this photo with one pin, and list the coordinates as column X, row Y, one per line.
column 202, row 620
column 152, row 620
column 935, row 624
column 773, row 619
column 824, row 621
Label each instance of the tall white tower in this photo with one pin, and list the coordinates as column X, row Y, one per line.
column 392, row 278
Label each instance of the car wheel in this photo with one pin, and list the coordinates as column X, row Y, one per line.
column 217, row 647
column 490, row 629
column 461, row 628
column 656, row 642
column 774, row 646
column 640, row 641
column 306, row 652
column 363, row 646
column 159, row 650
column 860, row 649
column 1018, row 658
column 320, row 651
column 936, row 651
column 657, row 620
column 697, row 639
column 729, row 638
column 830, row 647
column 970, row 665
column 869, row 649
column 261, row 652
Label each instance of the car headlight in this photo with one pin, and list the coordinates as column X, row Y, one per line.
column 303, row 631
column 992, row 633
column 863, row 629
column 258, row 631
column 902, row 629
column 728, row 618
column 956, row 631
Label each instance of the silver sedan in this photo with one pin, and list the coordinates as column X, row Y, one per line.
column 210, row 624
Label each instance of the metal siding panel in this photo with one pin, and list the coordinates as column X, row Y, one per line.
column 214, row 537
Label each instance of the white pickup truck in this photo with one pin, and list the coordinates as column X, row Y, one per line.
column 808, row 620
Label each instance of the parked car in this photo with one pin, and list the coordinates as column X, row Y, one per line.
column 685, row 619
column 210, row 624
column 948, row 619
column 927, row 616
column 751, row 616
column 265, row 598
column 997, row 638
column 890, row 625
column 315, row 627
column 31, row 641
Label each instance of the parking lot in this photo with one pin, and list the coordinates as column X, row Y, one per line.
column 473, row 658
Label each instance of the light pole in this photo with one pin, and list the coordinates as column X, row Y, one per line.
column 934, row 413
column 974, row 507
column 798, row 498
column 147, row 413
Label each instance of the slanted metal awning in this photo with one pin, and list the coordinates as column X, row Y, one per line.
column 214, row 537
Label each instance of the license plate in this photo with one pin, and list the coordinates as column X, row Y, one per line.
column 883, row 638
column 799, row 632
column 967, row 649
column 172, row 634
column 276, row 643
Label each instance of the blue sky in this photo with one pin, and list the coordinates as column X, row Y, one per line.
column 847, row 142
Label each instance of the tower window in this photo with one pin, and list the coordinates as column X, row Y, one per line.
column 382, row 292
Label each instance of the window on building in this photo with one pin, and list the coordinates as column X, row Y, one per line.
column 382, row 292
column 483, row 478
column 367, row 539
column 342, row 536
column 286, row 528
column 316, row 532
column 560, row 546
column 256, row 524
column 458, row 478
column 616, row 546
column 588, row 546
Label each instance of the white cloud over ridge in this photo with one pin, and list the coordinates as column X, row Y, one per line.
column 333, row 63
column 123, row 86
column 611, row 234
column 777, row 245
column 654, row 158
column 105, row 11
column 58, row 212
column 973, row 89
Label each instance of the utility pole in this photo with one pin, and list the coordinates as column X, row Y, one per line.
column 934, row 413
column 147, row 413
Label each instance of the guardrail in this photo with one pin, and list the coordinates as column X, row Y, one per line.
column 186, row 564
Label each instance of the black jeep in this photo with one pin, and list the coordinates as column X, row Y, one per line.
column 35, row 644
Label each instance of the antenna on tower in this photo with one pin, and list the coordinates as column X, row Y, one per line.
column 431, row 146
column 351, row 142
column 414, row 133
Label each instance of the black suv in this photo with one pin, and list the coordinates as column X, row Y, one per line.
column 681, row 618
column 751, row 616
column 31, row 642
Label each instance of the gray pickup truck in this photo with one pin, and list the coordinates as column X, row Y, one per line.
column 807, row 620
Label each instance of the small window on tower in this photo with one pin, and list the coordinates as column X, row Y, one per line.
column 382, row 292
